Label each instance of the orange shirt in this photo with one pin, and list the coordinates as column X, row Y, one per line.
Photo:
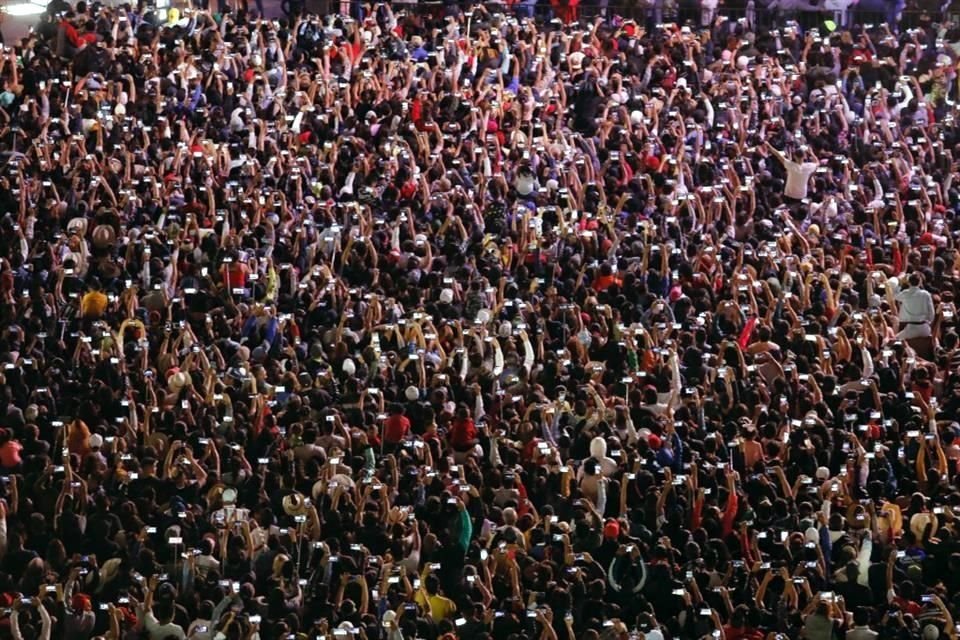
column 605, row 282
column 10, row 454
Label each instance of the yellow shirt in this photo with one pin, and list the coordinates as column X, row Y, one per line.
column 440, row 608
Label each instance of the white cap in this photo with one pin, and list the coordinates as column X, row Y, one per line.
column 388, row 617
column 349, row 367
column 96, row 441
column 446, row 296
column 412, row 393
column 576, row 60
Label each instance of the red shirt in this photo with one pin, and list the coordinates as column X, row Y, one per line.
column 236, row 275
column 10, row 454
column 395, row 428
column 741, row 633
column 907, row 606
column 605, row 282
column 462, row 434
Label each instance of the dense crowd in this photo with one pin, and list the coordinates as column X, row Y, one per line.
column 453, row 323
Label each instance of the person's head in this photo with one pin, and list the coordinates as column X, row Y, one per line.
column 15, row 540
column 852, row 571
column 738, row 619
column 164, row 610
column 861, row 616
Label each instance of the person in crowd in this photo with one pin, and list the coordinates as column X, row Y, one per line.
column 467, row 321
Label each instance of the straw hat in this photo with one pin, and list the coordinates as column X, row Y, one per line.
column 103, row 236
column 158, row 441
column 919, row 521
column 339, row 479
column 177, row 381
column 294, row 504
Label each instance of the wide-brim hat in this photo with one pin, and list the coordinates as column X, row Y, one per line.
column 294, row 504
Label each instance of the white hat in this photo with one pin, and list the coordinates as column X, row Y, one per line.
column 120, row 110
column 823, row 473
column 446, row 296
column 636, row 116
column 339, row 479
column 811, row 535
column 96, row 441
column 576, row 60
column 388, row 617
column 229, row 496
column 349, row 367
column 483, row 316
column 412, row 393
column 294, row 504
column 506, row 329
column 177, row 381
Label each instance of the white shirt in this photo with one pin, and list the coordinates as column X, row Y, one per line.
column 159, row 631
column 916, row 305
column 862, row 633
column 798, row 175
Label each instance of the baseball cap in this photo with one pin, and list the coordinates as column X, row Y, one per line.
column 611, row 529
